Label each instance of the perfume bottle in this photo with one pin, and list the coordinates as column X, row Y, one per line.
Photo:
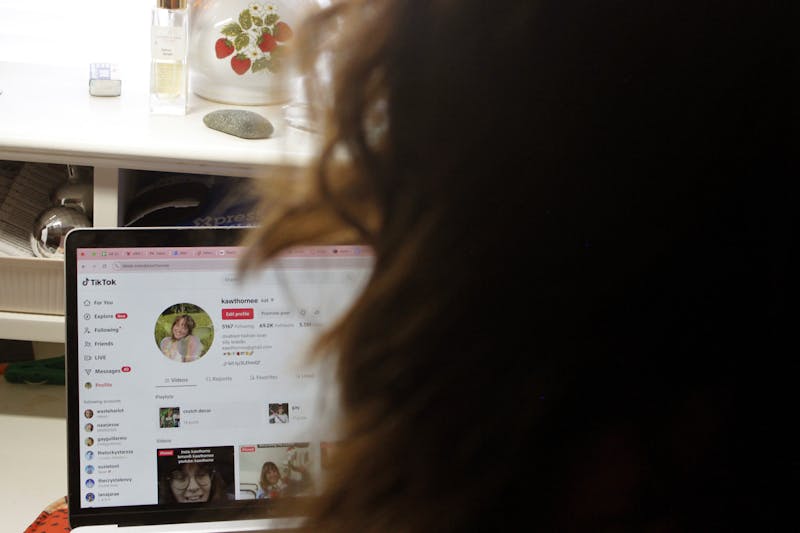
column 169, row 38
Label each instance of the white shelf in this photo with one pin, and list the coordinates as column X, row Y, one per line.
column 31, row 327
column 48, row 116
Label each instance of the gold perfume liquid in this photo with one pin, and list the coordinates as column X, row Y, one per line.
column 169, row 38
column 168, row 79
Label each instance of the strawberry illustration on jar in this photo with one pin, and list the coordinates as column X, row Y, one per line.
column 254, row 36
column 239, row 50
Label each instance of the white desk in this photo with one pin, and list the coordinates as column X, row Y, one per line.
column 33, row 451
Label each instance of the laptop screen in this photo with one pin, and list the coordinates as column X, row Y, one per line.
column 188, row 385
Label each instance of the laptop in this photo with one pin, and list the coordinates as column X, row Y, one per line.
column 191, row 405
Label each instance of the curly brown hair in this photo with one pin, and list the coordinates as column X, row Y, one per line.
column 561, row 201
column 188, row 321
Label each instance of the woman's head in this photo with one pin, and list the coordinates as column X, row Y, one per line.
column 578, row 160
column 270, row 474
column 182, row 326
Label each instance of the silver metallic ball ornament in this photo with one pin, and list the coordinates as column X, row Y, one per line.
column 77, row 191
column 51, row 228
column 75, row 195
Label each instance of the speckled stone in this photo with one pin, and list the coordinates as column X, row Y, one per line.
column 238, row 122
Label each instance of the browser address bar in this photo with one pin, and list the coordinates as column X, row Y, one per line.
column 185, row 264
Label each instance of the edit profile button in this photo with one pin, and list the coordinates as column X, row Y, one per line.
column 238, row 314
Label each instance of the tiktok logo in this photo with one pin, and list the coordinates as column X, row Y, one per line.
column 98, row 282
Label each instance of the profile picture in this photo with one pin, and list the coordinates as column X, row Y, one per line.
column 169, row 417
column 88, row 413
column 89, row 483
column 278, row 413
column 89, row 455
column 89, row 427
column 184, row 332
column 87, row 385
column 89, row 497
column 89, row 441
column 89, row 469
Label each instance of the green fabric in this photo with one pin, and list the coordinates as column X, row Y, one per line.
column 50, row 371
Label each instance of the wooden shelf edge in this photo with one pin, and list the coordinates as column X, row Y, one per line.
column 31, row 327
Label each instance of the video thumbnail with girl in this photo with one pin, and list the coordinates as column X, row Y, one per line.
column 269, row 471
column 195, row 475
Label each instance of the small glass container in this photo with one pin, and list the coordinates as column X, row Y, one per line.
column 169, row 38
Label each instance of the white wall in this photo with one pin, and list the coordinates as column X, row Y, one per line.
column 77, row 32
